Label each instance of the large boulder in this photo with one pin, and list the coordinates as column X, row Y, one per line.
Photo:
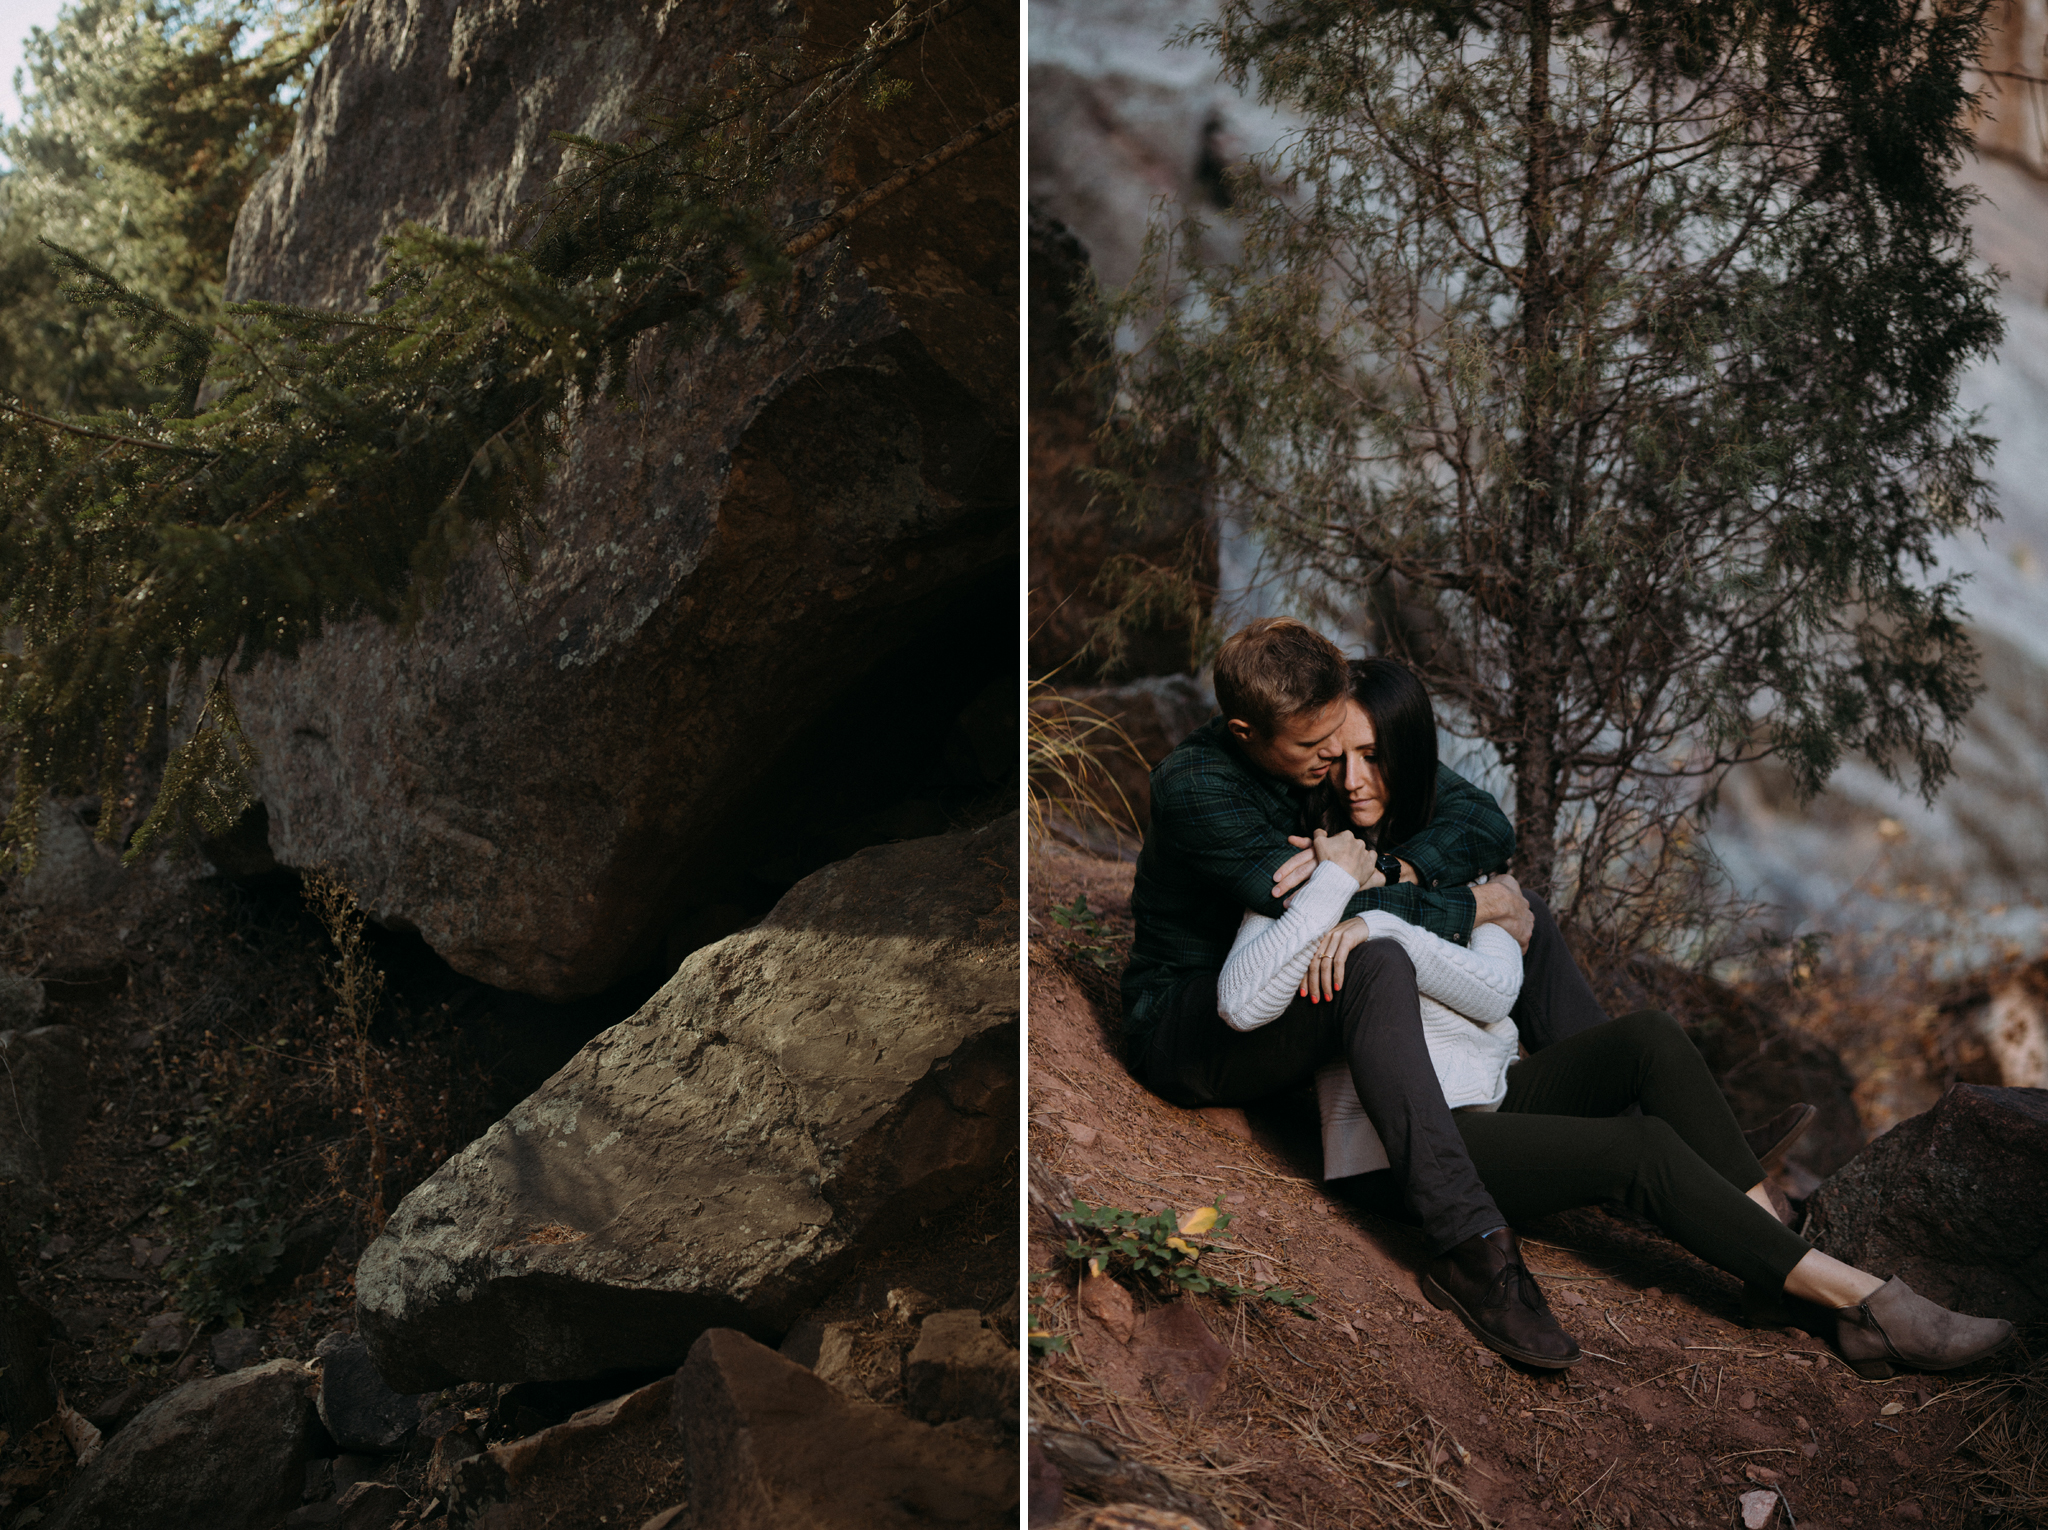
column 45, row 1107
column 795, row 1094
column 803, row 521
column 229, row 1452
column 1955, row 1201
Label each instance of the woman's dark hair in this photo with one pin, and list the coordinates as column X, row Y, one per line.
column 1404, row 737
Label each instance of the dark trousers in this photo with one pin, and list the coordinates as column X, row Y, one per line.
column 1557, row 1142
column 1193, row 1058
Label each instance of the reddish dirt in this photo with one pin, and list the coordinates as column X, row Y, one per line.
column 1382, row 1410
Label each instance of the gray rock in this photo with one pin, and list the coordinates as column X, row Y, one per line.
column 228, row 1452
column 21, row 1001
column 72, row 871
column 960, row 1369
column 838, row 1359
column 46, row 1105
column 1954, row 1200
column 358, row 1408
column 543, row 774
column 794, row 1094
column 771, row 1447
column 233, row 1349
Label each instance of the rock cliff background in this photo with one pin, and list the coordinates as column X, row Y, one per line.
column 767, row 589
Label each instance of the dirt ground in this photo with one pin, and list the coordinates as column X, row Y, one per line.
column 1382, row 1410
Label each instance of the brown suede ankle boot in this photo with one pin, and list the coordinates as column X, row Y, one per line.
column 1895, row 1325
column 1484, row 1281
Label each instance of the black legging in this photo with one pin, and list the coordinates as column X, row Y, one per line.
column 1556, row 1143
column 1191, row 1057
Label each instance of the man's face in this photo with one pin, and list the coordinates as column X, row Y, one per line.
column 1300, row 750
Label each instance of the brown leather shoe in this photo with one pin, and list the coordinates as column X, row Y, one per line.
column 1895, row 1325
column 1773, row 1140
column 1484, row 1281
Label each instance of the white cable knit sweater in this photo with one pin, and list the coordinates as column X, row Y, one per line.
column 1466, row 994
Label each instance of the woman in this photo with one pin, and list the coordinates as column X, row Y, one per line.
column 1544, row 1132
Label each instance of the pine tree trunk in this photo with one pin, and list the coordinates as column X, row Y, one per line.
column 1533, row 671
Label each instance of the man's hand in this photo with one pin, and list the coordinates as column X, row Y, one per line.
column 1501, row 902
column 1296, row 869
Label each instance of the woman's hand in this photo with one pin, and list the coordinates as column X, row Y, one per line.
column 1326, row 964
column 1296, row 869
column 1349, row 852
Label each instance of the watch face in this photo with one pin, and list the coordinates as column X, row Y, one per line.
column 1390, row 867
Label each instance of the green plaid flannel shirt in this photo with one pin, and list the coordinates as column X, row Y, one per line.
column 1218, row 832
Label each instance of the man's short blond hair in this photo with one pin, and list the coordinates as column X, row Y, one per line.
column 1275, row 669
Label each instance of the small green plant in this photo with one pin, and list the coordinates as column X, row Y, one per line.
column 1043, row 1340
column 228, row 1225
column 1079, row 918
column 1157, row 1248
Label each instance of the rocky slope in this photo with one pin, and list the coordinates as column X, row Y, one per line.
column 1379, row 1409
column 788, row 545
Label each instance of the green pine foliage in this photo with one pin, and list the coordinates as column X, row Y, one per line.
column 145, row 123
column 1601, row 360
column 302, row 467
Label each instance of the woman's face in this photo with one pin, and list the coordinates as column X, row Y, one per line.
column 1357, row 772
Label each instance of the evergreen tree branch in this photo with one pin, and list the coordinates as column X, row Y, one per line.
column 916, row 171
column 90, row 434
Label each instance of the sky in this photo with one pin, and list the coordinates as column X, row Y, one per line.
column 16, row 17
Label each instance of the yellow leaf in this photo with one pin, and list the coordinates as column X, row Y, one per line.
column 1185, row 1247
column 1198, row 1221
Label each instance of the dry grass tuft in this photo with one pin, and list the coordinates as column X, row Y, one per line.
column 2002, row 1464
column 1074, row 795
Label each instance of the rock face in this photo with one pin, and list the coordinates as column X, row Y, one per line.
column 771, row 1447
column 21, row 1000
column 229, row 1452
column 46, row 1102
column 548, row 776
column 363, row 1414
column 794, row 1093
column 1955, row 1201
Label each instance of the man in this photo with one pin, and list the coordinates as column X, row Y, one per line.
column 1224, row 804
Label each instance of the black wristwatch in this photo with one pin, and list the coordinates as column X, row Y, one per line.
column 1389, row 866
